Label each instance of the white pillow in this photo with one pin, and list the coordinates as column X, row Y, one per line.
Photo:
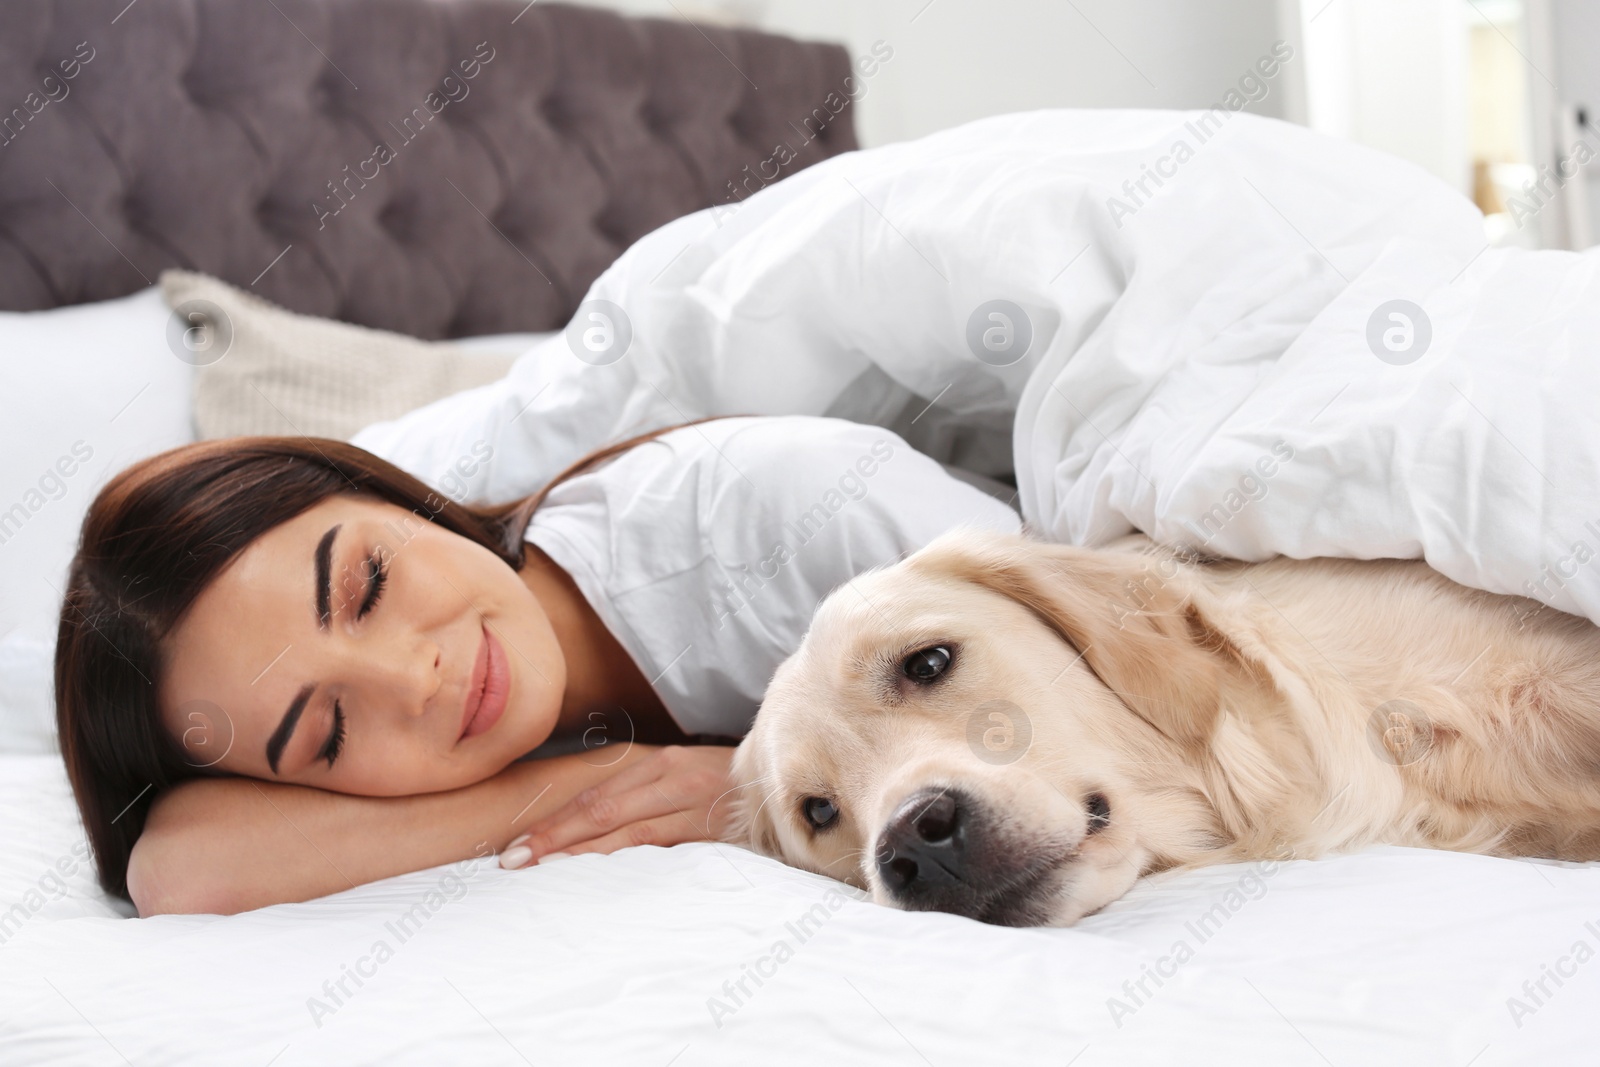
column 92, row 388
column 46, row 871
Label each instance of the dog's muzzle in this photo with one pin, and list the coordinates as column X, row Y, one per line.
column 941, row 850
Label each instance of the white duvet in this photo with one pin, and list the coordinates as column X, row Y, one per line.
column 1212, row 360
column 1198, row 366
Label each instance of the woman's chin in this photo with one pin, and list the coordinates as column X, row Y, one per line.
column 521, row 729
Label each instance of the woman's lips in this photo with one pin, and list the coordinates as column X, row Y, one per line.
column 487, row 689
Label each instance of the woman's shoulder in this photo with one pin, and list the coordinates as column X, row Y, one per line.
column 795, row 452
column 740, row 476
column 863, row 486
column 748, row 459
column 764, row 438
column 757, row 439
column 732, row 482
column 659, row 505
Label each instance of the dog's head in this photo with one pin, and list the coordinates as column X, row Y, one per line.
column 995, row 727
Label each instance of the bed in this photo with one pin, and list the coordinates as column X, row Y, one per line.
column 1397, row 956
column 206, row 135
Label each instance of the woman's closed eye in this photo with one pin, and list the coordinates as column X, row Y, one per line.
column 335, row 743
column 377, row 574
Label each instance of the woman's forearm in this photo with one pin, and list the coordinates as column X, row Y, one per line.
column 225, row 845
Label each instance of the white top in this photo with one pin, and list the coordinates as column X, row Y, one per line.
column 707, row 550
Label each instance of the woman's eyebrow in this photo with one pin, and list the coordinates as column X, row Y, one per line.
column 291, row 718
column 323, row 558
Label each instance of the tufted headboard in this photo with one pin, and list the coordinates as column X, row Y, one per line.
column 437, row 167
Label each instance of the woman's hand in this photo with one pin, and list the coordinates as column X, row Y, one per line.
column 677, row 794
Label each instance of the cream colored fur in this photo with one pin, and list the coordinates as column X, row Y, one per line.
column 1226, row 711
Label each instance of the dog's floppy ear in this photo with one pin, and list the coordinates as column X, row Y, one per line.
column 1142, row 622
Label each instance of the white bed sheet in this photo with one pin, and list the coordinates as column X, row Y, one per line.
column 1392, row 955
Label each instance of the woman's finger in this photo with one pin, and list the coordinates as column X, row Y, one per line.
column 605, row 814
column 649, row 769
column 674, row 782
column 666, row 780
column 597, row 815
column 663, row 830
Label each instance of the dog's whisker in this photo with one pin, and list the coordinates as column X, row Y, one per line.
column 742, row 786
column 757, row 813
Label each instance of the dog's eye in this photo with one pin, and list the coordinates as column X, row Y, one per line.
column 927, row 664
column 819, row 811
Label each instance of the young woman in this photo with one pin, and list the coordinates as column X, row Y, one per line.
column 285, row 667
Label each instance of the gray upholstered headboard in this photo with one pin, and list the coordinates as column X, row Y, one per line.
column 437, row 167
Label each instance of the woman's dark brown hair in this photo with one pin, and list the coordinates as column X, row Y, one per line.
column 154, row 538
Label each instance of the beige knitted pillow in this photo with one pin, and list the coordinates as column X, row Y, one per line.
column 264, row 370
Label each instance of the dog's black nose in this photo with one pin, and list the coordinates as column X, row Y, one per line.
column 923, row 849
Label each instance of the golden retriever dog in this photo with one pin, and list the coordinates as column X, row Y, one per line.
column 1015, row 731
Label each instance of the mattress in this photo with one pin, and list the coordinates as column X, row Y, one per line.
column 709, row 954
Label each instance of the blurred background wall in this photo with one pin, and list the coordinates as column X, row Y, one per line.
column 1482, row 93
column 958, row 60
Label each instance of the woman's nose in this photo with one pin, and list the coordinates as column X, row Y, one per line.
column 406, row 678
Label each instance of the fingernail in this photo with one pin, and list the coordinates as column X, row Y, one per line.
column 512, row 858
column 548, row 856
column 523, row 840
